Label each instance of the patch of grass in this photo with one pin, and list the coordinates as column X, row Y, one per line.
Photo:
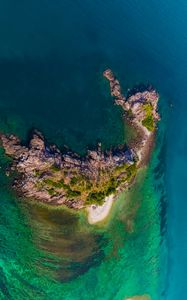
column 55, row 168
column 131, row 171
column 110, row 190
column 37, row 173
column 72, row 194
column 39, row 185
column 88, row 185
column 74, row 180
column 56, row 184
column 121, row 168
column 95, row 198
column 60, row 185
column 49, row 182
column 148, row 108
column 148, row 122
column 51, row 192
column 91, row 193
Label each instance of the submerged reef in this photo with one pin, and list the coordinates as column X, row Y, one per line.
column 47, row 175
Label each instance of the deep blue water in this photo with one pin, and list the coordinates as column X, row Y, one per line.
column 51, row 56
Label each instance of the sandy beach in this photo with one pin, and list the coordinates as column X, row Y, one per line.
column 99, row 213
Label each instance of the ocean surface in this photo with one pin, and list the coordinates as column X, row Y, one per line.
column 52, row 55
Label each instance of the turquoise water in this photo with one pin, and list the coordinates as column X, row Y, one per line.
column 52, row 54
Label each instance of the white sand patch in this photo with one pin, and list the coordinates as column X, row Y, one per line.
column 97, row 213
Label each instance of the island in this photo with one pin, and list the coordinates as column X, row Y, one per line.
column 46, row 174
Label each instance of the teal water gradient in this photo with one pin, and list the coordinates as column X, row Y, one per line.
column 52, row 54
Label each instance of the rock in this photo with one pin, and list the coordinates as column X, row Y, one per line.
column 37, row 142
column 50, row 176
column 108, row 74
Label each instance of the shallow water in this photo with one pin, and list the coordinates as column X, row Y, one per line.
column 56, row 254
column 52, row 55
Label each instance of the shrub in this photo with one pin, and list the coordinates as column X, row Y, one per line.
column 131, row 171
column 148, row 122
column 148, row 109
column 88, row 185
column 110, row 190
column 72, row 193
column 60, row 184
column 49, row 182
column 55, row 168
column 51, row 192
column 37, row 173
column 74, row 180
column 95, row 198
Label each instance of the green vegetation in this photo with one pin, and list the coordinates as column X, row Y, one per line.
column 148, row 108
column 99, row 196
column 88, row 185
column 113, row 183
column 121, row 168
column 39, row 185
column 37, row 173
column 148, row 122
column 90, row 191
column 49, row 182
column 129, row 113
column 110, row 190
column 56, row 184
column 55, row 168
column 51, row 192
column 95, row 198
column 71, row 193
column 109, row 187
column 74, row 181
column 60, row 185
column 131, row 171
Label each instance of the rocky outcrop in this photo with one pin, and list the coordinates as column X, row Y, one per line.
column 47, row 175
column 135, row 102
column 59, row 178
column 141, row 112
column 115, row 89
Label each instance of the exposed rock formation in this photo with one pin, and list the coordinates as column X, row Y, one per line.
column 141, row 111
column 52, row 177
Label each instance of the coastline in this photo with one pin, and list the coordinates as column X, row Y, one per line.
column 98, row 213
column 94, row 181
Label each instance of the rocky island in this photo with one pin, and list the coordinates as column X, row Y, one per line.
column 45, row 174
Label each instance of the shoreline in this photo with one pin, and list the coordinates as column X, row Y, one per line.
column 98, row 213
column 94, row 181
